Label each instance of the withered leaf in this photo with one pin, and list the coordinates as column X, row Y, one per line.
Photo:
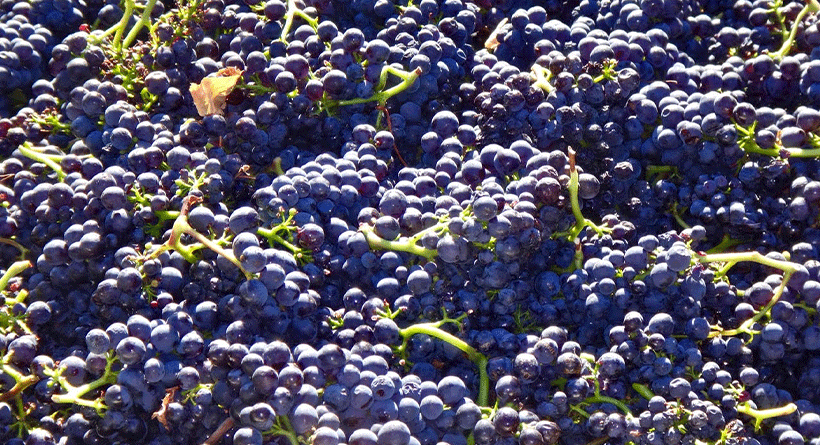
column 210, row 94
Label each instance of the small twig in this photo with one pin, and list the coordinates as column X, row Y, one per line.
column 223, row 429
column 383, row 109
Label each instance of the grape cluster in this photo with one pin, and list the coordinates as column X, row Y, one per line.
column 392, row 222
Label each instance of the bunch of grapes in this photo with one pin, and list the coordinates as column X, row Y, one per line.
column 402, row 222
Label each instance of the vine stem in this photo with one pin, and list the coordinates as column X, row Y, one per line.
column 725, row 243
column 574, row 184
column 273, row 237
column 597, row 398
column 778, row 17
column 183, row 226
column 580, row 221
column 755, row 257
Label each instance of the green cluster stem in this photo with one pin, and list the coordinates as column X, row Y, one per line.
column 643, row 390
column 810, row 7
column 746, row 141
column 409, row 244
column 74, row 394
column 542, row 78
column 21, row 381
column 760, row 415
column 27, row 150
column 15, row 269
column 434, row 330
column 608, row 71
column 597, row 398
column 675, row 211
column 282, row 234
column 730, row 259
column 291, row 15
column 382, row 95
column 779, row 19
column 182, row 227
column 16, row 245
column 725, row 243
column 120, row 43
column 403, row 244
column 581, row 222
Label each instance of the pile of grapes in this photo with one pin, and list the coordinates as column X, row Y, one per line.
column 410, row 222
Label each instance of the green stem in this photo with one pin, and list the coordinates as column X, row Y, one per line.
column 643, row 390
column 276, row 167
column 597, row 398
column 16, row 269
column 581, row 222
column 401, row 245
column 778, row 18
column 27, row 151
column 731, row 259
column 725, row 243
column 438, row 228
column 542, row 78
column 755, row 257
column 811, row 6
column 746, row 326
column 762, row 414
column 580, row 411
column 479, row 359
column 145, row 20
column 21, row 382
column 181, row 226
column 120, row 27
column 608, row 72
column 290, row 15
column 74, row 394
column 213, row 246
column 273, row 238
column 658, row 170
column 381, row 96
column 678, row 218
